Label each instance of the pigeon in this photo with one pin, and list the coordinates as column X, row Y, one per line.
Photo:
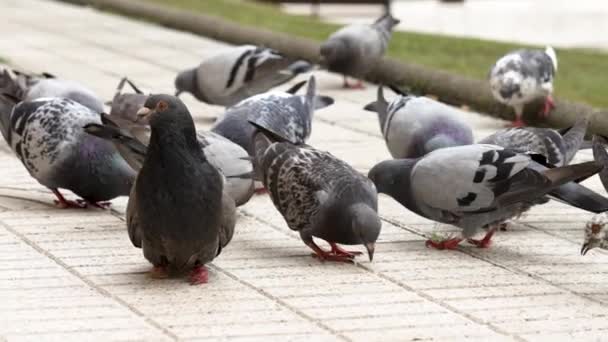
column 595, row 234
column 126, row 105
column 131, row 140
column 523, row 76
column 355, row 49
column 558, row 148
column 47, row 136
column 600, row 155
column 471, row 187
column 319, row 195
column 413, row 126
column 284, row 113
column 238, row 73
column 177, row 212
column 28, row 87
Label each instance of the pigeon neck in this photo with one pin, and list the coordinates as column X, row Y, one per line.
column 196, row 89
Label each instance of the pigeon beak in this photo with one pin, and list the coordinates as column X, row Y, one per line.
column 142, row 113
column 370, row 250
column 585, row 249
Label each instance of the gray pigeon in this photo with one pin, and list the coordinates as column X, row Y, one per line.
column 284, row 113
column 523, row 76
column 413, row 126
column 471, row 187
column 558, row 148
column 177, row 212
column 319, row 196
column 238, row 73
column 131, row 140
column 355, row 49
column 600, row 156
column 126, row 105
column 47, row 136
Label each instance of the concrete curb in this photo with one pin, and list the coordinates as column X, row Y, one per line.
column 450, row 88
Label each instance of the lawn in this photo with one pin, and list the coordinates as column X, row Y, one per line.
column 581, row 75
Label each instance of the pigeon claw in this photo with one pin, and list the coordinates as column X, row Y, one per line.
column 358, row 85
column 159, row 272
column 444, row 244
column 199, row 275
column 260, row 191
column 486, row 241
column 516, row 123
column 337, row 250
column 343, row 256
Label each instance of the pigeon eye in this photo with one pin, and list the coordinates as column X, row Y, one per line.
column 161, row 106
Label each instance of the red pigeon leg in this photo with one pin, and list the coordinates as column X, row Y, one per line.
column 547, row 107
column 62, row 203
column 337, row 250
column 159, row 272
column 486, row 241
column 444, row 244
column 328, row 256
column 199, row 275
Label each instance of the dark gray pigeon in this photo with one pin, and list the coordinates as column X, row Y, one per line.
column 523, row 76
column 31, row 87
column 284, row 113
column 319, row 196
column 47, row 136
column 471, row 187
column 131, row 140
column 177, row 211
column 355, row 49
column 238, row 73
column 413, row 126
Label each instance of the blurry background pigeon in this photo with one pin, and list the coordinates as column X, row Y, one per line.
column 284, row 113
column 126, row 105
column 521, row 77
column 319, row 196
column 48, row 138
column 471, row 187
column 176, row 213
column 413, row 126
column 238, row 73
column 355, row 49
column 28, row 87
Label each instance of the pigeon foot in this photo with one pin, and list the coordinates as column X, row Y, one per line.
column 159, row 272
column 330, row 256
column 358, row 85
column 100, row 205
column 486, row 241
column 337, row 250
column 62, row 203
column 260, row 191
column 444, row 244
column 199, row 275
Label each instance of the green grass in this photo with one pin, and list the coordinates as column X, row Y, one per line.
column 582, row 74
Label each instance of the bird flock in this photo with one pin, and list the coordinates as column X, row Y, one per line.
column 184, row 185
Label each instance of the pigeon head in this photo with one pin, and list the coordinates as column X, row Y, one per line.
column 185, row 82
column 595, row 233
column 165, row 111
column 366, row 226
column 387, row 21
column 392, row 177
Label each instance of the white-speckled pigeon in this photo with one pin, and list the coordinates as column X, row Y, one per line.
column 319, row 195
column 48, row 137
column 413, row 126
column 471, row 186
column 355, row 49
column 238, row 73
column 284, row 113
column 177, row 211
column 522, row 76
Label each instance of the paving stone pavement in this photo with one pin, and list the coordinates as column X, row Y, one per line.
column 73, row 274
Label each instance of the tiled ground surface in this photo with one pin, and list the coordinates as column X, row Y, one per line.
column 73, row 274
